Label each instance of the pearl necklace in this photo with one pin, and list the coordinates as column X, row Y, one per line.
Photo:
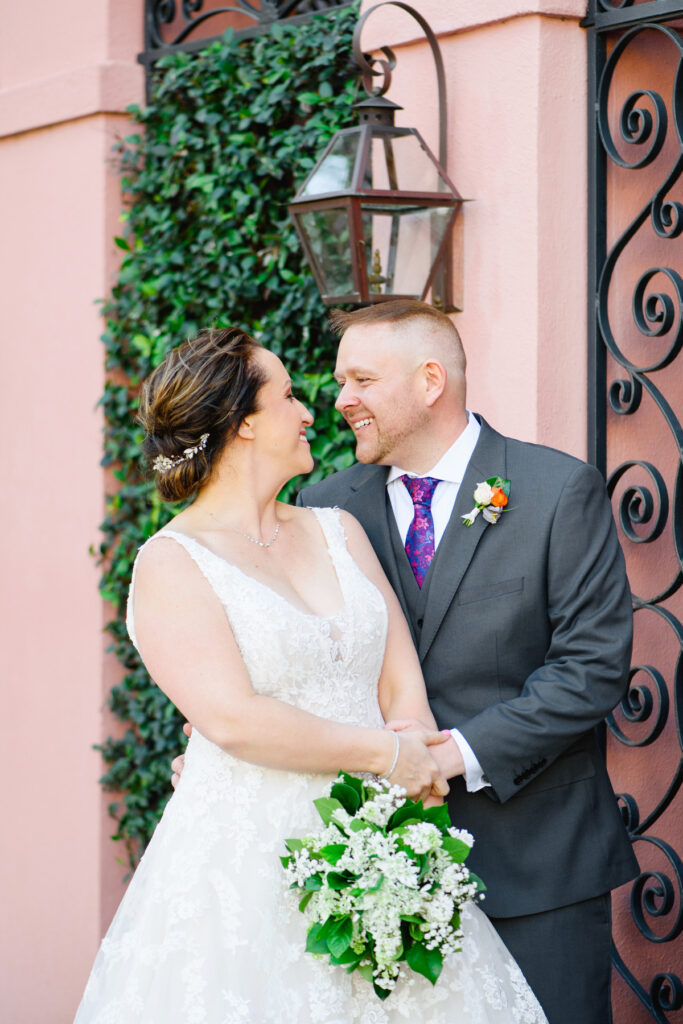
column 254, row 540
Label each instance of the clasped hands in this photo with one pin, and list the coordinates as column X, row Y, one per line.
column 426, row 760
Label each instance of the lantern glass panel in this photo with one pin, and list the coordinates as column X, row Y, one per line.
column 400, row 162
column 328, row 236
column 401, row 246
column 335, row 171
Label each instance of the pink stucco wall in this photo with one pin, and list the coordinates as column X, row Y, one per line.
column 66, row 73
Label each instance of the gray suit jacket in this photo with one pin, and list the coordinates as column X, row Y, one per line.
column 525, row 646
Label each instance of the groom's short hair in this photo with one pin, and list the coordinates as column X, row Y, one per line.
column 396, row 311
column 390, row 311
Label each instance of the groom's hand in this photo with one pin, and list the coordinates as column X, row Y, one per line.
column 416, row 769
column 445, row 752
column 178, row 763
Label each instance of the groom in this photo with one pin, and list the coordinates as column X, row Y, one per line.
column 523, row 627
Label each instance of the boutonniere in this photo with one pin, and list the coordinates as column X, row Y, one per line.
column 490, row 498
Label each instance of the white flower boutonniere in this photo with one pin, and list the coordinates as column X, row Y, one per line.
column 490, row 498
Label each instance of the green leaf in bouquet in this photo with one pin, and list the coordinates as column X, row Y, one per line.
column 416, row 933
column 347, row 796
column 377, row 886
column 480, row 885
column 332, row 852
column 339, row 937
column 340, row 879
column 358, row 824
column 365, row 971
column 294, row 844
column 438, row 816
column 411, row 918
column 457, row 850
column 423, row 864
column 305, row 900
column 313, row 883
column 410, row 812
column 455, row 920
column 326, row 807
column 347, row 959
column 355, row 784
column 381, row 993
column 315, row 943
column 427, row 962
column 285, row 861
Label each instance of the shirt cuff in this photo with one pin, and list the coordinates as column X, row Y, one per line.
column 474, row 773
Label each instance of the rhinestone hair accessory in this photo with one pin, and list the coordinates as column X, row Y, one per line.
column 163, row 463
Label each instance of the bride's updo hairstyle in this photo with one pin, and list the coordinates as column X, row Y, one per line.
column 206, row 386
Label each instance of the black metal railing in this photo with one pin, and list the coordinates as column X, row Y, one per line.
column 192, row 24
column 636, row 151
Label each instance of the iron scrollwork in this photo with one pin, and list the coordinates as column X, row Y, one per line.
column 648, row 506
column 170, row 24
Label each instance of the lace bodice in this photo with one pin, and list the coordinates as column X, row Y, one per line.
column 327, row 665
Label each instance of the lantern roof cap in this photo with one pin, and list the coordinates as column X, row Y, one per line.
column 377, row 109
column 377, row 101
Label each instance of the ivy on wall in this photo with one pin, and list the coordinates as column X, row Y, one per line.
column 229, row 135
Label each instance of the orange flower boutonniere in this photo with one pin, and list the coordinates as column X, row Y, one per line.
column 490, row 498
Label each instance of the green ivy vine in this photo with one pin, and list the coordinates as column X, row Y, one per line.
column 228, row 136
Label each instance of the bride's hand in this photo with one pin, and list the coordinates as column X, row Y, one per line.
column 416, row 769
column 446, row 754
column 178, row 763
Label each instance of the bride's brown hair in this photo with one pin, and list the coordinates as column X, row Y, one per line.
column 207, row 385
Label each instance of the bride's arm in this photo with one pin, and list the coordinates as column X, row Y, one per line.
column 189, row 649
column 402, row 693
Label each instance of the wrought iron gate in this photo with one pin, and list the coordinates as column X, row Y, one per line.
column 636, row 438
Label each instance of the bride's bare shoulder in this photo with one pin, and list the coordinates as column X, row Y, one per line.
column 164, row 561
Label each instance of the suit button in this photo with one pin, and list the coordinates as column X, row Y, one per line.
column 420, row 623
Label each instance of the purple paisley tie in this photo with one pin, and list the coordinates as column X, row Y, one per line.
column 420, row 536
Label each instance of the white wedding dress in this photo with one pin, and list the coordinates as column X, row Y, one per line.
column 208, row 932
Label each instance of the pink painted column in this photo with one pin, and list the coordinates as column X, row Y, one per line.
column 67, row 71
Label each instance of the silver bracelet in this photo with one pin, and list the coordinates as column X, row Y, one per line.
column 385, row 777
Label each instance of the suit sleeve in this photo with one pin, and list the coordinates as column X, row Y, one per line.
column 585, row 673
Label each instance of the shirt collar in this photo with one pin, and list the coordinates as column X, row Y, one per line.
column 453, row 463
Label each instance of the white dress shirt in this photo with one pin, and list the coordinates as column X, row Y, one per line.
column 449, row 470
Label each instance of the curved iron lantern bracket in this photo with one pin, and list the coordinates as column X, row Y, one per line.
column 366, row 65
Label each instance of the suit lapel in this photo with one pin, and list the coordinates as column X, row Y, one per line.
column 459, row 542
column 367, row 501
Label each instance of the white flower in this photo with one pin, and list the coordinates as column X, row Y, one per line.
column 463, row 835
column 491, row 515
column 423, row 837
column 483, row 494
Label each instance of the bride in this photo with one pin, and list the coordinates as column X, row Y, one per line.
column 274, row 631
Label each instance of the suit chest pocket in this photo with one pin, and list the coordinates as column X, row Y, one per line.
column 487, row 591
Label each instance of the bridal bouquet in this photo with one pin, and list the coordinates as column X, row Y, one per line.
column 383, row 882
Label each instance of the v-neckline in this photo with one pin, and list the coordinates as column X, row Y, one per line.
column 264, row 586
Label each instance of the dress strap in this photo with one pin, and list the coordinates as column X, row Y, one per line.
column 333, row 532
column 203, row 558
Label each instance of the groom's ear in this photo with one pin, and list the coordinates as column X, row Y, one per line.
column 434, row 377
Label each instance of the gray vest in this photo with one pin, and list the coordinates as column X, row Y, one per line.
column 415, row 597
